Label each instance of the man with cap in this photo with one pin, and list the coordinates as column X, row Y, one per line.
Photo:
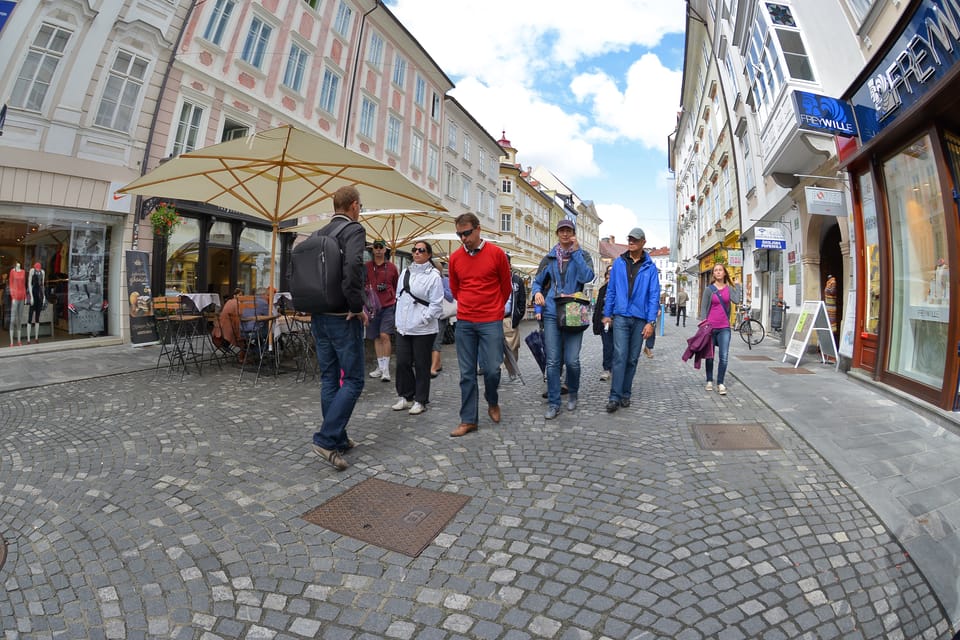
column 563, row 271
column 383, row 276
column 633, row 297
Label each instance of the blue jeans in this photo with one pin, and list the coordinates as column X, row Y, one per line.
column 721, row 345
column 606, row 337
column 478, row 343
column 339, row 348
column 562, row 347
column 627, row 342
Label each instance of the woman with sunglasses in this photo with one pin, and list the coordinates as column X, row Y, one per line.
column 418, row 309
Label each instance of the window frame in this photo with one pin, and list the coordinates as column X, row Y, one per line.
column 127, row 80
column 367, row 125
column 255, row 44
column 394, row 134
column 375, row 51
column 194, row 128
column 45, row 54
column 325, row 91
column 300, row 69
column 343, row 19
column 399, row 75
column 219, row 16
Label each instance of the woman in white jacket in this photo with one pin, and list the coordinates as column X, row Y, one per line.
column 419, row 305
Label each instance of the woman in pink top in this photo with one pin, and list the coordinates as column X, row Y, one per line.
column 715, row 309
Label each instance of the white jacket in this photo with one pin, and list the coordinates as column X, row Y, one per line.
column 411, row 317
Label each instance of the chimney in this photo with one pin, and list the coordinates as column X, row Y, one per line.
column 612, row 241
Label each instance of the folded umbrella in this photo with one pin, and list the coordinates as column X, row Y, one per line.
column 535, row 341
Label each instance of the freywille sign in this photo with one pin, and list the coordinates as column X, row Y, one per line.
column 821, row 113
column 922, row 55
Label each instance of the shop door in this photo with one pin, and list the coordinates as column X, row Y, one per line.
column 219, row 263
column 917, row 358
column 868, row 315
column 946, row 275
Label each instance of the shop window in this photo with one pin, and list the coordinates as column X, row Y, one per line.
column 920, row 287
column 255, row 261
column 871, row 253
column 183, row 249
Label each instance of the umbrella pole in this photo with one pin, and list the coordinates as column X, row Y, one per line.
column 271, row 290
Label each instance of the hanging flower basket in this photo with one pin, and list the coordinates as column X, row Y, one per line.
column 163, row 219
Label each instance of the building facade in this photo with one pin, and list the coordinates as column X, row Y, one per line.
column 82, row 82
column 346, row 70
column 471, row 167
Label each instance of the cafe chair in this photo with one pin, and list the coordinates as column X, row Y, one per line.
column 255, row 325
column 177, row 330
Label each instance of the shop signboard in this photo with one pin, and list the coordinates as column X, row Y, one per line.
column 825, row 202
column 813, row 318
column 824, row 114
column 6, row 8
column 735, row 257
column 769, row 238
column 849, row 325
column 920, row 56
column 143, row 328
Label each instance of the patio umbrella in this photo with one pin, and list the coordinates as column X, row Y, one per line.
column 277, row 175
column 393, row 226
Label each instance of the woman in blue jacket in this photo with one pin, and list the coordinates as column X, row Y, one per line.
column 563, row 271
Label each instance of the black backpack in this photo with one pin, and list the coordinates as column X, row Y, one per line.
column 316, row 272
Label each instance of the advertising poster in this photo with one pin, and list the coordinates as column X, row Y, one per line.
column 85, row 286
column 143, row 329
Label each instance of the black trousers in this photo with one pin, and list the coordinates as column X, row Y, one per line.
column 414, row 358
column 682, row 311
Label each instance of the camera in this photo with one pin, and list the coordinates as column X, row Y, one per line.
column 382, row 286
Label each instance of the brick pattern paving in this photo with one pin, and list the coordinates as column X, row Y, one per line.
column 137, row 507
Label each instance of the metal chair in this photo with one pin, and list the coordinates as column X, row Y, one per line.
column 255, row 324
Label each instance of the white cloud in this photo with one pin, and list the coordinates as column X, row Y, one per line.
column 646, row 111
column 541, row 132
column 504, row 39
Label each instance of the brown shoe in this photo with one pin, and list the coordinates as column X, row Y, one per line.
column 463, row 430
column 494, row 412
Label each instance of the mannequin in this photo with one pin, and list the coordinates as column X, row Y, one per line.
column 37, row 280
column 18, row 295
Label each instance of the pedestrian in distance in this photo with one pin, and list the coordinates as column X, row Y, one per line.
column 339, row 334
column 682, row 298
column 715, row 310
column 383, row 276
column 631, row 306
column 480, row 281
column 606, row 337
column 418, row 308
column 563, row 271
column 513, row 313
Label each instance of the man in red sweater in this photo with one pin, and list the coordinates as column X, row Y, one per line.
column 480, row 282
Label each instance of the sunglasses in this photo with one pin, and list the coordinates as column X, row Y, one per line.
column 419, row 250
column 466, row 233
column 379, row 246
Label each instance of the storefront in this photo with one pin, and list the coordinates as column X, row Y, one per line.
column 904, row 178
column 216, row 251
column 56, row 273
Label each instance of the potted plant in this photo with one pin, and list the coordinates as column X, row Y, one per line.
column 164, row 218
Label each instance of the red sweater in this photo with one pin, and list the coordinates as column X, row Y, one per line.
column 480, row 283
column 18, row 284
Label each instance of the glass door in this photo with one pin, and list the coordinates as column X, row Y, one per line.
column 920, row 295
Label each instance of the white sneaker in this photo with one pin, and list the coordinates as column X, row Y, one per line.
column 721, row 389
column 376, row 373
column 384, row 376
column 417, row 409
column 605, row 375
column 401, row 404
column 709, row 386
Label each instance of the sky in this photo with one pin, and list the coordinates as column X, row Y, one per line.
column 590, row 92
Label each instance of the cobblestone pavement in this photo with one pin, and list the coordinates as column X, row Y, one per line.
column 143, row 507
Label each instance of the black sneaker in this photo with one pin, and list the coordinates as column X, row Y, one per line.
column 624, row 403
column 612, row 406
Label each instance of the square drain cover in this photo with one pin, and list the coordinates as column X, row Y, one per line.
column 790, row 370
column 754, row 358
column 725, row 437
column 389, row 515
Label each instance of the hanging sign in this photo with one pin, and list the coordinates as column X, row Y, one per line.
column 769, row 238
column 813, row 317
column 825, row 202
column 735, row 257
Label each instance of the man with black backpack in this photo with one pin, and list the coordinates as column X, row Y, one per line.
column 337, row 328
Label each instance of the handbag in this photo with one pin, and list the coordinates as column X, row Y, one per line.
column 573, row 312
column 371, row 301
column 449, row 309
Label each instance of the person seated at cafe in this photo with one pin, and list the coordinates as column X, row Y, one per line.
column 225, row 333
column 262, row 307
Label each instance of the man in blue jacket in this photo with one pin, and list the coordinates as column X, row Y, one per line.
column 633, row 299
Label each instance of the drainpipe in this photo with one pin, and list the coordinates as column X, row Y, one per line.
column 140, row 208
column 356, row 68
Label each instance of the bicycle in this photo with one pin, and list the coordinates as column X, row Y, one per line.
column 750, row 330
